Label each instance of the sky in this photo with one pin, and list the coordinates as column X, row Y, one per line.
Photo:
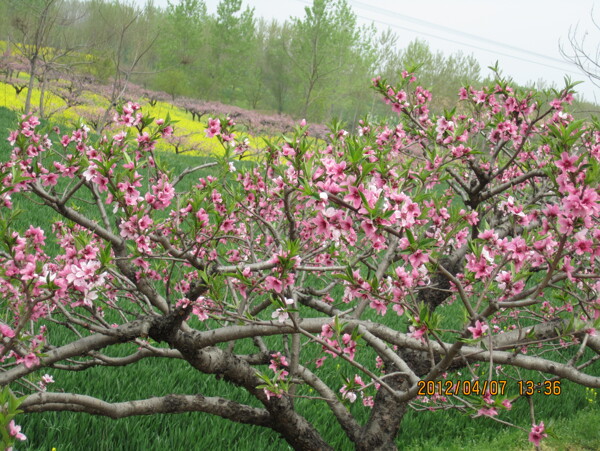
column 522, row 35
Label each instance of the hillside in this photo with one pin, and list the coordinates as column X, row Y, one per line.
column 72, row 99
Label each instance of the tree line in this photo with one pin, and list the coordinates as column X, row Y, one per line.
column 316, row 66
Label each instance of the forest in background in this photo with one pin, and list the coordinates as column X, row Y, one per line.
column 317, row 67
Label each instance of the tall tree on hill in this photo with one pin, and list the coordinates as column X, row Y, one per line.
column 350, row 100
column 445, row 74
column 4, row 20
column 182, row 52
column 125, row 35
column 256, row 61
column 232, row 38
column 278, row 70
column 66, row 53
column 32, row 25
column 322, row 48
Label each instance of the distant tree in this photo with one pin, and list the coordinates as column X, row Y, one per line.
column 253, row 87
column 61, row 59
column 174, row 82
column 583, row 53
column 125, row 36
column 349, row 100
column 5, row 20
column 232, row 38
column 33, row 25
column 444, row 74
column 278, row 70
column 322, row 50
column 182, row 52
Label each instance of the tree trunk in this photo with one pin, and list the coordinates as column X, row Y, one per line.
column 32, row 66
column 42, row 92
column 292, row 426
column 381, row 430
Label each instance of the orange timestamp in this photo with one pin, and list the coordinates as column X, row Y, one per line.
column 450, row 388
column 483, row 387
column 548, row 388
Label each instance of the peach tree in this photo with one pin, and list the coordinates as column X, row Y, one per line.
column 359, row 272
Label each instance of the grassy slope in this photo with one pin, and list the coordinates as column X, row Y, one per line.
column 93, row 106
column 571, row 411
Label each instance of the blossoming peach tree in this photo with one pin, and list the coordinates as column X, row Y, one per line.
column 405, row 252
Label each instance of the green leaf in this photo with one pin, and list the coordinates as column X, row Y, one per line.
column 410, row 236
column 105, row 258
column 338, row 326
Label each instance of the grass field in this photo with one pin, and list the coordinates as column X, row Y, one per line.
column 574, row 414
column 93, row 105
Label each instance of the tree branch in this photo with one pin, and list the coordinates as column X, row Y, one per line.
column 44, row 402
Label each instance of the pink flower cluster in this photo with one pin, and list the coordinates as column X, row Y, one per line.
column 537, row 433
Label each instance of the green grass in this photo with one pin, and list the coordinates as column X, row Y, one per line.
column 576, row 432
column 571, row 412
column 8, row 120
column 420, row 430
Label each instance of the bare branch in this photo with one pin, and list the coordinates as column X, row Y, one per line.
column 46, row 401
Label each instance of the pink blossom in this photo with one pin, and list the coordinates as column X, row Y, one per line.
column 419, row 333
column 567, row 162
column 200, row 309
column 478, row 330
column 319, row 362
column 49, row 179
column 15, row 431
column 488, row 234
column 418, row 258
column 399, row 309
column 487, row 411
column 12, row 137
column 350, row 348
column 167, row 131
column 582, row 204
column 504, row 278
column 202, row 216
column 214, row 127
column 348, row 394
column 379, row 306
column 537, row 433
column 479, row 97
column 31, row 360
column 273, row 283
column 163, row 193
column 278, row 361
column 556, row 104
column 487, row 398
column 353, row 197
column 326, row 331
column 480, row 266
column 358, row 380
column 368, row 401
column 6, row 331
column 280, row 314
column 269, row 394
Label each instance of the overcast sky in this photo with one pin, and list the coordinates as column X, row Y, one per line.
column 522, row 35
